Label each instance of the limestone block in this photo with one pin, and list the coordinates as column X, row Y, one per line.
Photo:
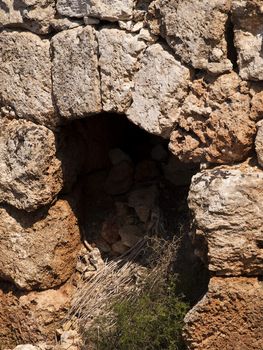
column 227, row 204
column 34, row 15
column 32, row 317
column 248, row 27
column 26, row 347
column 259, row 143
column 195, row 30
column 76, row 82
column 228, row 317
column 113, row 10
column 214, row 123
column 31, row 174
column 38, row 250
column 110, row 10
column 119, row 54
column 25, row 76
column 160, row 86
column 72, row 8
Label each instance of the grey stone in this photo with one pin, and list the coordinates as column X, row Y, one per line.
column 76, row 81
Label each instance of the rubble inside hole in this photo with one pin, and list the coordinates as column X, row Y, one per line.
column 130, row 186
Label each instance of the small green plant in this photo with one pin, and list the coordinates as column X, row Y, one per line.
column 153, row 321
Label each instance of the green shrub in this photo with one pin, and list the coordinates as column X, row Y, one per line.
column 152, row 321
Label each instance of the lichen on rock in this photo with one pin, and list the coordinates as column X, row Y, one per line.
column 226, row 203
column 31, row 174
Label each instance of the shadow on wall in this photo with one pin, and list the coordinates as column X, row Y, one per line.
column 122, row 182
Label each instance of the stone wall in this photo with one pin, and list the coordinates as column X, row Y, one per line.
column 188, row 71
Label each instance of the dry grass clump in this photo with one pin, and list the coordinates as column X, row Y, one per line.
column 121, row 279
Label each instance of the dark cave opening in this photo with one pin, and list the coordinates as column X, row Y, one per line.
column 126, row 184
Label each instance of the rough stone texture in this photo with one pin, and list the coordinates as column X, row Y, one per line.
column 107, row 10
column 110, row 10
column 34, row 15
column 38, row 250
column 160, row 86
column 119, row 60
column 32, row 317
column 259, row 143
column 25, row 76
column 31, row 14
column 26, row 347
column 214, row 123
column 76, row 81
column 257, row 101
column 72, row 8
column 196, row 31
column 227, row 204
column 31, row 174
column 228, row 317
column 248, row 27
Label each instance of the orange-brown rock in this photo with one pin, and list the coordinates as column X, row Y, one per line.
column 38, row 250
column 230, row 316
column 214, row 123
column 33, row 317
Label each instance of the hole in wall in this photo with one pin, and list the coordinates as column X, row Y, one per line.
column 126, row 185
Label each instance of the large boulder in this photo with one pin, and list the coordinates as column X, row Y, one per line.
column 247, row 17
column 160, row 86
column 32, row 317
column 25, row 76
column 227, row 204
column 31, row 174
column 38, row 250
column 228, row 317
column 119, row 55
column 215, row 122
column 75, row 74
column 195, row 30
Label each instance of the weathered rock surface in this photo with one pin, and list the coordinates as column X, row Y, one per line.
column 31, row 14
column 227, row 205
column 111, row 11
column 119, row 54
column 195, row 30
column 228, row 317
column 25, row 76
column 31, row 174
column 248, row 27
column 32, row 317
column 259, row 143
column 214, row 123
column 38, row 250
column 103, row 9
column 160, row 86
column 37, row 16
column 26, row 347
column 76, row 82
